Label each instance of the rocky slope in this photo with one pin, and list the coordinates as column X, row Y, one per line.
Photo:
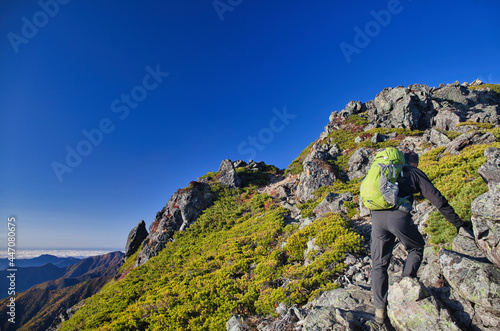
column 458, row 287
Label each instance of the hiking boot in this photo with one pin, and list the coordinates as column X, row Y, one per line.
column 380, row 315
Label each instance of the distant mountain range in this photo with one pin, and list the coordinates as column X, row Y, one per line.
column 59, row 262
column 50, row 290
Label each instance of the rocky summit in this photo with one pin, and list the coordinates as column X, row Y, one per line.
column 253, row 247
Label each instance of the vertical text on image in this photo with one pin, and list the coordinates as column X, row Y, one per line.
column 11, row 252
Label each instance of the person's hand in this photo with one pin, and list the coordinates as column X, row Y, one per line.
column 467, row 226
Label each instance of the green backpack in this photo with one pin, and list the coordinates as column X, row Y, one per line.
column 379, row 189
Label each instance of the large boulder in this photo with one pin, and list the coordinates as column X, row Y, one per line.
column 490, row 171
column 486, row 208
column 359, row 162
column 340, row 309
column 475, row 281
column 135, row 239
column 228, row 175
column 411, row 307
column 183, row 208
column 333, row 203
column 317, row 172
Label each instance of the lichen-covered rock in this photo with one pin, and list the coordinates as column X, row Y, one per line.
column 487, row 234
column 438, row 138
column 470, row 138
column 333, row 203
column 411, row 307
column 447, row 119
column 340, row 309
column 465, row 243
column 475, row 281
column 228, row 175
column 317, row 173
column 490, row 171
column 359, row 162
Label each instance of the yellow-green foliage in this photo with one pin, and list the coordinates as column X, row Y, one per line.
column 494, row 87
column 456, row 177
column 230, row 261
column 357, row 120
column 477, row 125
column 296, row 166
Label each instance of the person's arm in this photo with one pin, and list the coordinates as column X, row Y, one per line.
column 431, row 193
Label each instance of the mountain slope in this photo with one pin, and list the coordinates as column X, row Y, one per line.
column 263, row 252
column 37, row 307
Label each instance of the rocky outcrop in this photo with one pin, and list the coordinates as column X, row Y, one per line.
column 135, row 239
column 412, row 307
column 471, row 138
column 486, row 208
column 475, row 281
column 228, row 175
column 317, row 172
column 420, row 107
column 333, row 203
column 359, row 162
column 181, row 211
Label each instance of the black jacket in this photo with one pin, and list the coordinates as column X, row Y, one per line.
column 413, row 180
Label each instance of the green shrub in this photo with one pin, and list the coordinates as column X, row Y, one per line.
column 229, row 261
column 456, row 177
column 296, row 166
column 494, row 87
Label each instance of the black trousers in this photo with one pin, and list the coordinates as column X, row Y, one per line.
column 387, row 225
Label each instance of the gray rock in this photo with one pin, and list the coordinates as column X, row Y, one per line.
column 341, row 309
column 438, row 138
column 256, row 166
column 430, row 273
column 377, row 138
column 447, row 120
column 465, row 243
column 236, row 323
column 135, row 239
column 490, row 171
column 183, row 208
column 310, row 251
column 333, row 203
column 422, row 212
column 411, row 307
column 228, row 175
column 359, row 162
column 454, row 93
column 352, row 108
column 316, row 173
column 477, row 82
column 475, row 281
column 471, row 138
column 487, row 234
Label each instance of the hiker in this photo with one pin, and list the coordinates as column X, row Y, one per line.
column 387, row 225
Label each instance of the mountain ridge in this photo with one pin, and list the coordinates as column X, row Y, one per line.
column 255, row 247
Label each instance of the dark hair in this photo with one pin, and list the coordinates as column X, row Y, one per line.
column 410, row 156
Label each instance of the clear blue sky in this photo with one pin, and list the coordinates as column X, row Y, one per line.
column 108, row 107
